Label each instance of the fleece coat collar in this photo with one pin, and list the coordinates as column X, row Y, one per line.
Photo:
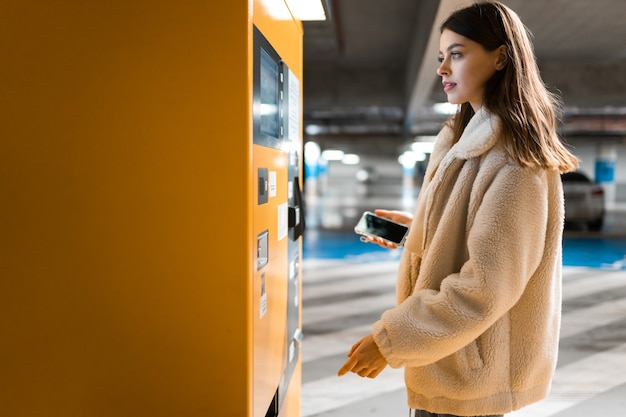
column 480, row 135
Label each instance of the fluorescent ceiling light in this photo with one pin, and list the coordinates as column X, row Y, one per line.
column 409, row 158
column 313, row 130
column 423, row 147
column 332, row 154
column 307, row 9
column 312, row 152
column 445, row 108
column 350, row 159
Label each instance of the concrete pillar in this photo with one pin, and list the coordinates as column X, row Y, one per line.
column 605, row 171
column 408, row 186
column 311, row 168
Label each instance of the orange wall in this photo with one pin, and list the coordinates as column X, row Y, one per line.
column 124, row 217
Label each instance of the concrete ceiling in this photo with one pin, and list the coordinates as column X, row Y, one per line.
column 369, row 71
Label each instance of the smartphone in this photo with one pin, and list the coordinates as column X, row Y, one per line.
column 376, row 226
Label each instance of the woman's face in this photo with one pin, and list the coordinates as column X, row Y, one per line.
column 465, row 66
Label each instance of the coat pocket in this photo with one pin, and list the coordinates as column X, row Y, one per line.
column 469, row 357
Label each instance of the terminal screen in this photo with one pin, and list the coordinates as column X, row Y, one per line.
column 269, row 91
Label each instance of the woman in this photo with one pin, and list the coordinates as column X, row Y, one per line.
column 476, row 326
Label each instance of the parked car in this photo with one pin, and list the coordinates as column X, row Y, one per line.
column 584, row 200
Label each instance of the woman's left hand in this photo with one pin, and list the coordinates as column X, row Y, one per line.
column 364, row 359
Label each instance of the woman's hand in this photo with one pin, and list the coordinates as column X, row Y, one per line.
column 397, row 216
column 364, row 359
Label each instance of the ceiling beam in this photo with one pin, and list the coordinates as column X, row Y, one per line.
column 426, row 74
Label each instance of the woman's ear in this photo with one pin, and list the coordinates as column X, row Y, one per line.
column 502, row 57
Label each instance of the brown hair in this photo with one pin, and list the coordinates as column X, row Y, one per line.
column 516, row 93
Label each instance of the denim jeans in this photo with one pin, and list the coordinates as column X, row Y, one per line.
column 422, row 413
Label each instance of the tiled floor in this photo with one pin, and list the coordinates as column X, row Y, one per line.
column 345, row 289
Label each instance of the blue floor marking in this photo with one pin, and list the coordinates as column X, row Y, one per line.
column 595, row 252
column 590, row 252
column 331, row 244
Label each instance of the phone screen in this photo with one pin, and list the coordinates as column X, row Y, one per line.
column 373, row 225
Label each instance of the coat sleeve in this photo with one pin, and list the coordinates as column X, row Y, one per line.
column 505, row 245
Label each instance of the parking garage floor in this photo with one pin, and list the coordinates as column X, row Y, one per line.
column 348, row 284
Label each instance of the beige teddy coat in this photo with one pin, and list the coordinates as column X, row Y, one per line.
column 477, row 322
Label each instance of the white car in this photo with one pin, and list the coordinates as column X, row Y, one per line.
column 584, row 200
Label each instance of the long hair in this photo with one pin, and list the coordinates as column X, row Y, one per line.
column 516, row 93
